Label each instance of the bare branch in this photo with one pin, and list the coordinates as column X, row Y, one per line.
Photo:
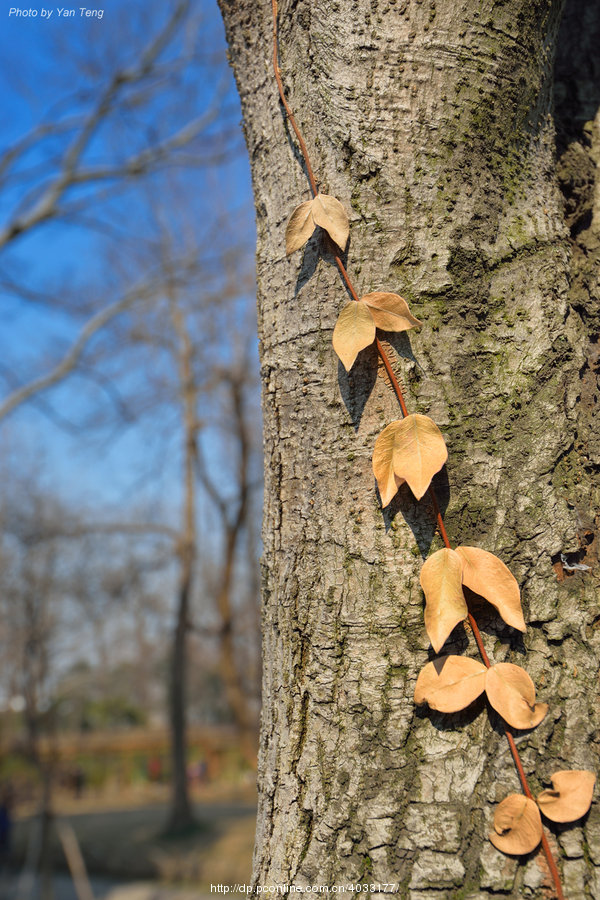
column 46, row 207
column 46, row 129
column 72, row 357
column 141, row 528
column 186, row 266
column 208, row 485
column 144, row 161
column 77, row 530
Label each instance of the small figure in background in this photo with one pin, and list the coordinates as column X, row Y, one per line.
column 78, row 782
column 6, row 802
column 155, row 769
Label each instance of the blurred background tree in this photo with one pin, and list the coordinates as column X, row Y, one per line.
column 129, row 409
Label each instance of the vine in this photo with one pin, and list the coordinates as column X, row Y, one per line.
column 412, row 450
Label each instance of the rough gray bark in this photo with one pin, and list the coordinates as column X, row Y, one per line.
column 432, row 123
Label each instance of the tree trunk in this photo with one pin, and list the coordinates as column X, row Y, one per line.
column 234, row 527
column 432, row 123
column 180, row 814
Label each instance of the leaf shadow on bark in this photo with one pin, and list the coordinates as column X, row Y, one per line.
column 398, row 349
column 501, row 727
column 419, row 515
column 399, row 341
column 452, row 721
column 442, row 721
column 491, row 624
column 558, row 828
column 310, row 259
column 356, row 385
column 456, row 643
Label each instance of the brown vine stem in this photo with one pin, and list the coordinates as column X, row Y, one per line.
column 400, row 397
column 290, row 115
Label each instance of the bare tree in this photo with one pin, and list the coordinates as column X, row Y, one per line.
column 84, row 176
column 134, row 332
column 195, row 378
column 32, row 582
column 235, row 516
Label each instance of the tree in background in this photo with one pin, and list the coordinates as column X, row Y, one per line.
column 113, row 192
column 433, row 124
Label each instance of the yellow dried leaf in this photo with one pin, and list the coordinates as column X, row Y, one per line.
column 354, row 330
column 411, row 450
column 322, row 210
column 300, row 227
column 570, row 796
column 419, row 453
column 390, row 312
column 441, row 580
column 511, row 692
column 517, row 825
column 487, row 575
column 383, row 463
column 450, row 683
column 331, row 215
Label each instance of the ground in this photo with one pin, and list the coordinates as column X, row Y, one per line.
column 129, row 857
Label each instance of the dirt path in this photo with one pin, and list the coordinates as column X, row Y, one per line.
column 124, row 845
column 104, row 889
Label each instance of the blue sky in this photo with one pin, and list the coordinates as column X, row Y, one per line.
column 52, row 69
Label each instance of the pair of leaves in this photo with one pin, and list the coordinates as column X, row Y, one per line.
column 322, row 210
column 412, row 450
column 446, row 572
column 451, row 683
column 355, row 327
column 517, row 820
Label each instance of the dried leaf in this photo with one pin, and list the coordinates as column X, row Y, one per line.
column 511, row 692
column 420, row 452
column 383, row 463
column 410, row 450
column 390, row 312
column 570, row 796
column 450, row 683
column 487, row 575
column 331, row 215
column 300, row 227
column 354, row 330
column 517, row 825
column 441, row 580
